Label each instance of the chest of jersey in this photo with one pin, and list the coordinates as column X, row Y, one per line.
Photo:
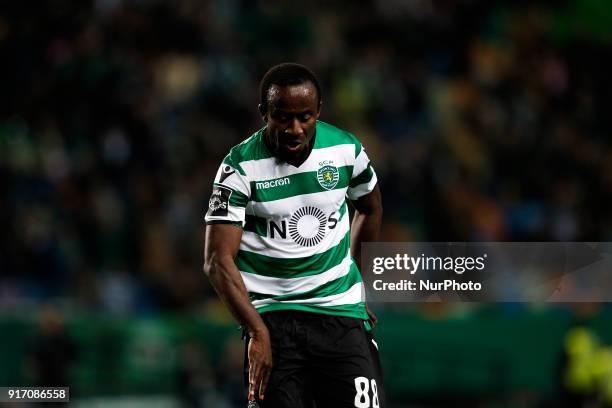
column 304, row 206
column 287, row 199
column 278, row 190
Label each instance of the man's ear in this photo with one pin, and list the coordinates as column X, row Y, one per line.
column 319, row 109
column 263, row 111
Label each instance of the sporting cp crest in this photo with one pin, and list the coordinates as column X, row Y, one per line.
column 328, row 177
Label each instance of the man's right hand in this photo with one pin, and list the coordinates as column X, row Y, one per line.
column 260, row 363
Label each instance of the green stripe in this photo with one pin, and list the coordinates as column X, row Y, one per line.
column 301, row 183
column 356, row 310
column 237, row 199
column 253, row 148
column 256, row 224
column 342, row 211
column 362, row 178
column 329, row 135
column 293, row 267
column 333, row 287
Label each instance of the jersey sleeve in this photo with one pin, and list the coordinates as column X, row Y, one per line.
column 230, row 195
column 363, row 179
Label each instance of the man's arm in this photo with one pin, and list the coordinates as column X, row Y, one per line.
column 366, row 227
column 221, row 247
column 366, row 222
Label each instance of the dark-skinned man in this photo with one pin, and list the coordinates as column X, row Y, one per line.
column 281, row 253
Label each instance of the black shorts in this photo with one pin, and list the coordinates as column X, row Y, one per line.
column 321, row 361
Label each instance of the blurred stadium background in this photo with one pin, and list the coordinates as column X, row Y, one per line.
column 486, row 121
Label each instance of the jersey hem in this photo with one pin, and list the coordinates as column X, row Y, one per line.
column 362, row 314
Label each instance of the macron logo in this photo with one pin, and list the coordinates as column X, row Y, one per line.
column 261, row 185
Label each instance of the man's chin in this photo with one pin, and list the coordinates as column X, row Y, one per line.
column 287, row 151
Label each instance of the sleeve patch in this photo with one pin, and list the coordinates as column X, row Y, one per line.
column 219, row 201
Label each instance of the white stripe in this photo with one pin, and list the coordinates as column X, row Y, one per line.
column 271, row 167
column 362, row 189
column 285, row 207
column 361, row 163
column 286, row 248
column 375, row 344
column 350, row 297
column 278, row 286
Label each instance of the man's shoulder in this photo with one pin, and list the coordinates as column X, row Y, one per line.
column 329, row 135
column 252, row 148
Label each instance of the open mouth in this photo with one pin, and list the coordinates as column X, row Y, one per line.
column 293, row 145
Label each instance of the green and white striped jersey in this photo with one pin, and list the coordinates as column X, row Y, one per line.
column 294, row 252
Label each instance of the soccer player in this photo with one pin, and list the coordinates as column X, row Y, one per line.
column 282, row 255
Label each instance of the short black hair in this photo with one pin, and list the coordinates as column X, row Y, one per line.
column 286, row 74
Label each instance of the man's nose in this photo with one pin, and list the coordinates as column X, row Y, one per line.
column 295, row 128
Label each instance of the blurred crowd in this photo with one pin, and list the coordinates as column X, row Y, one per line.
column 485, row 120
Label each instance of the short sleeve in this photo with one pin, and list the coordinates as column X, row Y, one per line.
column 363, row 179
column 230, row 195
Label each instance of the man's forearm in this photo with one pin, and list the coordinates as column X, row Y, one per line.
column 225, row 278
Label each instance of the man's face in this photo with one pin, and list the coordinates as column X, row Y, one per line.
column 291, row 118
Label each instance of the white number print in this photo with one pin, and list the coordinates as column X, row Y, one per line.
column 374, row 394
column 362, row 396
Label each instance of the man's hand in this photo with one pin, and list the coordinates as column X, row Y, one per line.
column 371, row 315
column 260, row 364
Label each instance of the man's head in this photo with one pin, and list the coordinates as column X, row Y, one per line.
column 290, row 105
